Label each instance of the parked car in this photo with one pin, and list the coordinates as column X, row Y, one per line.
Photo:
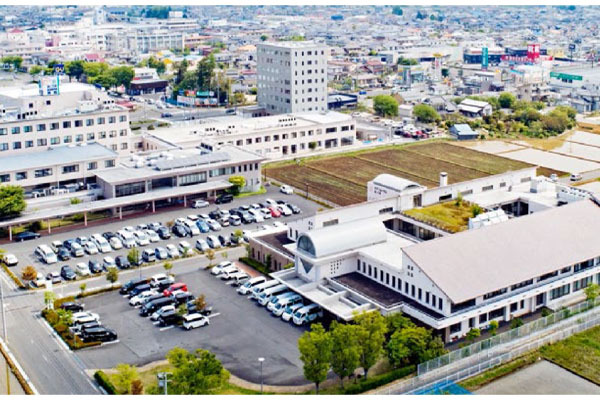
column 182, row 297
column 575, row 177
column 247, row 218
column 149, row 307
column 185, row 248
column 82, row 240
column 285, row 189
column 289, row 311
column 155, row 226
column 284, row 210
column 122, row 262
column 10, row 260
column 172, row 250
column 214, row 225
column 54, row 277
column 228, row 272
column 155, row 280
column 275, row 213
column 26, row 235
column 257, row 215
column 115, row 243
column 202, row 245
column 141, row 239
column 83, row 317
column 138, row 290
column 148, row 255
column 200, row 204
column 161, row 311
column 179, row 286
column 99, row 334
column 161, row 253
column 108, row 235
column 152, row 236
column 82, row 269
column 77, row 250
column 238, row 278
column 224, row 198
column 235, row 220
column 67, row 273
column 213, row 242
column 224, row 221
column 108, row 262
column 217, row 269
column 90, row 248
column 179, row 231
column 63, row 254
column 95, row 267
column 56, row 246
column 101, row 243
column 191, row 321
column 266, row 213
column 225, row 241
column 169, row 318
column 132, row 284
column 295, row 209
column 72, row 306
column 140, row 297
column 163, row 233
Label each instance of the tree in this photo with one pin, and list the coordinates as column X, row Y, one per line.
column 238, row 182
column 515, row 323
column 592, row 292
column 112, row 275
column 224, row 255
column 371, row 337
column 239, row 98
column 92, row 69
column 12, row 201
column 263, row 37
column 426, row 113
column 506, row 100
column 315, row 353
column 210, row 256
column 133, row 256
column 74, row 69
column 473, row 334
column 125, row 375
column 168, row 266
column 345, row 351
column 198, row 373
column 397, row 321
column 408, row 346
column 238, row 234
column 82, row 287
column 137, row 387
column 181, row 69
column 122, row 75
column 200, row 302
column 29, row 273
column 493, row 327
column 106, row 80
column 34, row 70
column 49, row 298
column 205, row 72
column 397, row 10
column 407, row 61
column 385, row 105
column 476, row 210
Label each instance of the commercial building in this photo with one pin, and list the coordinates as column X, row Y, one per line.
column 53, row 113
column 272, row 136
column 292, row 77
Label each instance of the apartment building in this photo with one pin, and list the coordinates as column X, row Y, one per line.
column 292, row 77
column 272, row 136
column 52, row 113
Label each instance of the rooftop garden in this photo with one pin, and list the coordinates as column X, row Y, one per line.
column 452, row 216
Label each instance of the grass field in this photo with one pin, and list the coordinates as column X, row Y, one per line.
column 579, row 354
column 448, row 216
column 342, row 179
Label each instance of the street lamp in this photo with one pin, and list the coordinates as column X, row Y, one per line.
column 261, row 360
column 163, row 379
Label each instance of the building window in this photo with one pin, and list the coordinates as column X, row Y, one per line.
column 122, row 118
column 101, row 120
column 15, row 130
column 21, row 175
column 42, row 142
column 41, row 127
column 440, row 303
column 412, row 290
column 66, row 124
column 91, row 136
column 28, row 128
column 4, row 178
column 68, row 169
column 92, row 165
column 79, row 138
column 89, row 122
column 130, row 189
column 55, row 140
column 67, row 139
column 109, row 163
column 28, row 143
column 112, row 120
column 78, row 123
column 39, row 173
column 54, row 126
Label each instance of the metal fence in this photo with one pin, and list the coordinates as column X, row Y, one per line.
column 562, row 327
column 505, row 337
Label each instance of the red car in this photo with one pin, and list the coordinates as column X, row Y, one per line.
column 275, row 213
column 174, row 287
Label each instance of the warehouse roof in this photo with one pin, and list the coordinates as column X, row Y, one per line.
column 472, row 263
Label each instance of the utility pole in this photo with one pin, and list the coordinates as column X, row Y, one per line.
column 5, row 336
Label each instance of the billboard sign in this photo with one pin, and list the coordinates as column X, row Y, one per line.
column 484, row 58
column 567, row 77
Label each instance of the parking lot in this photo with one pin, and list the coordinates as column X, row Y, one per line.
column 240, row 332
column 25, row 250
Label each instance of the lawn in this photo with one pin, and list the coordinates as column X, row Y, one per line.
column 448, row 216
column 579, row 354
column 342, row 179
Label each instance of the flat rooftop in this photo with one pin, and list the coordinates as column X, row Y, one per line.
column 53, row 156
column 294, row 44
column 276, row 240
column 32, row 90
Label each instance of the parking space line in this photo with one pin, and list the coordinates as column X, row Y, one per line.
column 166, row 328
column 213, row 315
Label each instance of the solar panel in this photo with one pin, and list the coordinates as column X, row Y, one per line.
column 176, row 163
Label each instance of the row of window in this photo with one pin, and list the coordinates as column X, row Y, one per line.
column 56, row 140
column 44, row 172
column 16, row 130
column 410, row 290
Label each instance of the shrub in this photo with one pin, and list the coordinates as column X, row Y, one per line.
column 59, row 302
column 104, row 382
column 379, row 380
column 260, row 267
column 29, row 273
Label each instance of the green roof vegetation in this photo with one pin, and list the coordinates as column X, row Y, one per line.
column 452, row 216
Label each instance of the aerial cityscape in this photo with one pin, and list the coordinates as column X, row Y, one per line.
column 289, row 200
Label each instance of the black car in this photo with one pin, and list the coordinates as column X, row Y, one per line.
column 150, row 307
column 236, row 211
column 122, row 262
column 99, row 334
column 169, row 318
column 224, row 198
column 68, row 244
column 245, row 208
column 295, row 209
column 63, row 254
column 182, row 298
column 108, row 235
column 67, row 273
column 282, row 202
column 26, row 235
column 163, row 233
column 225, row 241
column 214, row 214
column 179, row 231
column 152, row 298
column 191, row 307
column 95, row 267
column 72, row 306
column 138, row 289
column 132, row 284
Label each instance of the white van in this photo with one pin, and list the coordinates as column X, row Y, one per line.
column 266, row 295
column 45, row 253
column 289, row 311
column 195, row 320
column 307, row 314
column 239, row 278
column 101, row 243
column 213, row 242
column 249, row 285
column 228, row 272
column 193, row 228
column 127, row 238
column 276, row 299
column 258, row 289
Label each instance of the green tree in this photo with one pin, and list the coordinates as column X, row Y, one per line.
column 12, row 201
column 181, row 69
column 93, row 69
column 238, row 182
column 82, row 288
column 106, row 80
column 74, row 69
column 345, row 350
column 125, row 375
column 200, row 302
column 238, row 234
column 210, row 256
column 476, row 210
column 397, row 321
column 493, row 327
column 112, row 275
column 397, row 10
column 515, row 323
column 198, row 373
column 473, row 334
column 385, row 105
column 133, row 256
column 35, row 69
column 371, row 331
column 168, row 266
column 315, row 353
column 407, row 61
column 592, row 292
column 122, row 75
column 408, row 346
column 506, row 100
column 263, row 37
column 205, row 72
column 159, row 12
column 238, row 98
column 425, row 113
column 49, row 298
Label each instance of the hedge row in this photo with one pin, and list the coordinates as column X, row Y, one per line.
column 379, row 380
column 12, row 275
column 73, row 341
column 104, row 381
column 260, row 267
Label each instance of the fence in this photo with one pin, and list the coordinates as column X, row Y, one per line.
column 505, row 337
column 564, row 327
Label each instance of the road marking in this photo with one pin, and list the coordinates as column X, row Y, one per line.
column 213, row 315
column 166, row 328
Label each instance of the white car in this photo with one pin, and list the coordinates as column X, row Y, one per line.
column 82, row 269
column 129, row 229
column 172, row 250
column 90, row 248
column 214, row 225
column 255, row 206
column 202, row 245
column 258, row 216
column 156, row 315
column 217, row 269
column 284, row 210
column 83, row 317
column 266, row 213
column 192, row 217
column 10, row 260
column 200, row 204
column 152, row 236
column 213, row 242
column 195, row 320
column 204, row 216
column 101, row 243
column 139, row 299
column 155, row 280
column 271, row 202
column 108, row 262
column 56, row 246
column 141, row 239
column 185, row 247
column 285, row 189
column 115, row 243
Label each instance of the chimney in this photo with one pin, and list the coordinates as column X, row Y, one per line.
column 443, row 179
